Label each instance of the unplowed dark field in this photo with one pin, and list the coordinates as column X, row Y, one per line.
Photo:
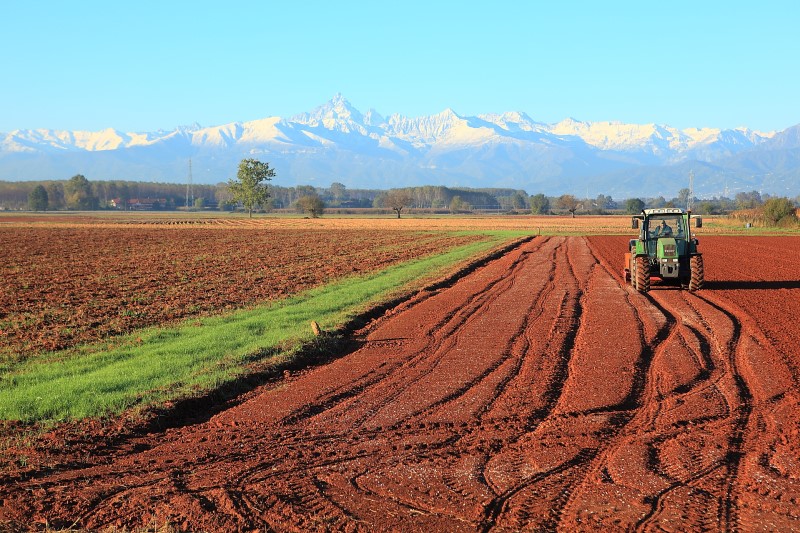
column 539, row 392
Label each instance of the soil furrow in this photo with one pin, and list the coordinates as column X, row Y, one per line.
column 535, row 392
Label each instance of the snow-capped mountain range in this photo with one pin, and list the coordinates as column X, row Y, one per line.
column 336, row 142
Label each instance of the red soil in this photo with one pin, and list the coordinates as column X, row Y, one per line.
column 537, row 392
column 67, row 285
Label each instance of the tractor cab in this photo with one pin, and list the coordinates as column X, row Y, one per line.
column 667, row 230
column 665, row 226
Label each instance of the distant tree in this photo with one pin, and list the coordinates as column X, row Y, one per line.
column 248, row 187
column 598, row 206
column 270, row 204
column 603, row 202
column 124, row 195
column 748, row 200
column 517, row 201
column 397, row 199
column 78, row 194
column 569, row 203
column 304, row 190
column 634, row 206
column 111, row 192
column 682, row 200
column 779, row 211
column 540, row 204
column 199, row 203
column 37, row 199
column 55, row 195
column 456, row 204
column 707, row 207
column 103, row 191
column 338, row 192
column 224, row 198
column 657, row 202
column 726, row 205
column 311, row 204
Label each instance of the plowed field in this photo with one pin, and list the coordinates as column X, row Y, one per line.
column 538, row 392
column 63, row 286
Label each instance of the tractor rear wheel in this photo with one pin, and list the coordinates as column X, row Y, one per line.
column 632, row 271
column 696, row 268
column 642, row 269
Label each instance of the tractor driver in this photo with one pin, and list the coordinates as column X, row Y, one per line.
column 663, row 230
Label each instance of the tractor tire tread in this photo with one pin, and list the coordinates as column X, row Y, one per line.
column 697, row 274
column 642, row 274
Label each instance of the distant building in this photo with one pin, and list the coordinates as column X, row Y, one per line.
column 140, row 204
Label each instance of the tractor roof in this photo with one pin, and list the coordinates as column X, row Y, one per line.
column 663, row 211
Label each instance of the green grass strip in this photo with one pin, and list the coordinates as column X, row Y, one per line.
column 160, row 363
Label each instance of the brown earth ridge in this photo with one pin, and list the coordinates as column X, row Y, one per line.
column 537, row 392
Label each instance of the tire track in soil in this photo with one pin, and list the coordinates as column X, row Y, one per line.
column 690, row 337
column 711, row 484
column 566, row 306
column 766, row 386
column 454, row 334
column 733, row 432
column 538, row 392
column 436, row 332
column 714, row 384
column 450, row 404
column 609, row 411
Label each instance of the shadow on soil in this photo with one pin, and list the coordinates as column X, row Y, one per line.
column 745, row 285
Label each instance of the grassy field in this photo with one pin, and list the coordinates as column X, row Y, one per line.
column 157, row 364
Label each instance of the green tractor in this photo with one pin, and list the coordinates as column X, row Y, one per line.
column 665, row 250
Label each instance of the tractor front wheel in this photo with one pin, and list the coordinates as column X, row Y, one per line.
column 696, row 268
column 642, row 272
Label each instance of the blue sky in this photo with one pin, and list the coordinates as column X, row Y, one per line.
column 145, row 65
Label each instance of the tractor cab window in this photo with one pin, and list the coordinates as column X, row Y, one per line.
column 667, row 226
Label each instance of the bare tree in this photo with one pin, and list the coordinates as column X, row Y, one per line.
column 569, row 202
column 397, row 199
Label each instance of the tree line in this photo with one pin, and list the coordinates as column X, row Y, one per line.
column 79, row 193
